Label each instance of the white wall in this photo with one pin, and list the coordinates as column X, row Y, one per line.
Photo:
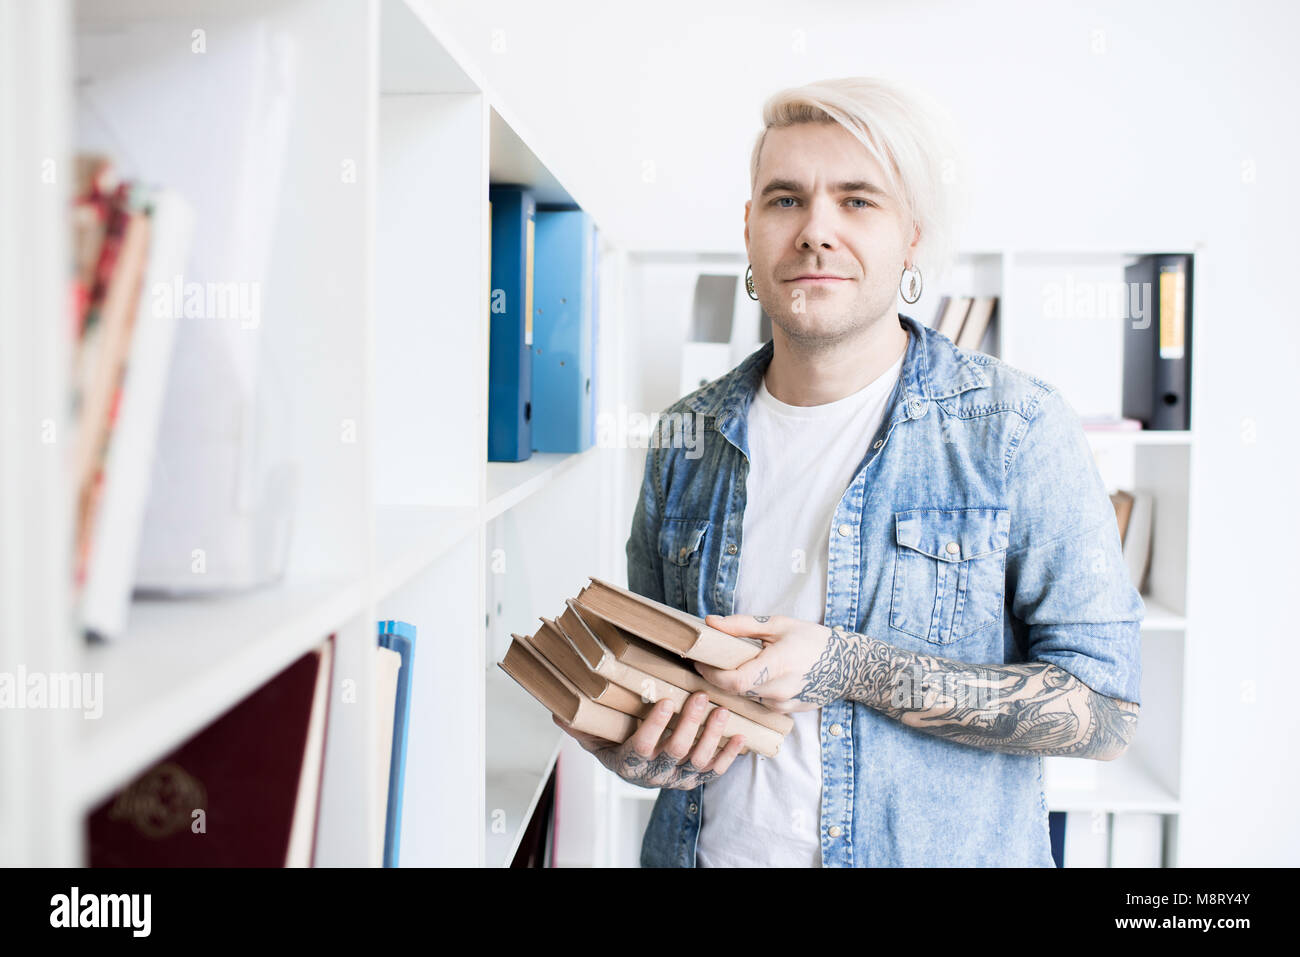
column 1105, row 125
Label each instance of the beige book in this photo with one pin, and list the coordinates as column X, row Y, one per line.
column 667, row 627
column 551, row 641
column 604, row 637
column 977, row 321
column 629, row 694
column 954, row 314
column 1123, row 504
column 647, row 671
column 543, row 681
column 559, row 696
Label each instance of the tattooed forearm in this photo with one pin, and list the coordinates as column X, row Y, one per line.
column 1031, row 708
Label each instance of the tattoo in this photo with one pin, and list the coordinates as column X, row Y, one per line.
column 662, row 764
column 1028, row 708
column 632, row 761
column 759, row 680
column 762, row 617
column 688, row 768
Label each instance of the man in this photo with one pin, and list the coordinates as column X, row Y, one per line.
column 929, row 553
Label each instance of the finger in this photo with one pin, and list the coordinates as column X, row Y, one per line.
column 724, row 759
column 645, row 740
column 746, row 626
column 688, row 724
column 704, row 751
column 748, row 677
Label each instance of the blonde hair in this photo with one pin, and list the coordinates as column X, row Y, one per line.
column 903, row 130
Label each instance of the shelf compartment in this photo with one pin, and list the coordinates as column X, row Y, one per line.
column 185, row 662
column 1122, row 785
column 522, row 746
column 408, row 539
column 509, row 483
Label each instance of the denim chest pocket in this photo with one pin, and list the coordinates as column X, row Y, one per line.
column 949, row 571
column 681, row 544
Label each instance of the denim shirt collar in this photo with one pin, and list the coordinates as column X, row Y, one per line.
column 933, row 368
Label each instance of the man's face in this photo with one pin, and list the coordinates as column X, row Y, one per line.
column 820, row 208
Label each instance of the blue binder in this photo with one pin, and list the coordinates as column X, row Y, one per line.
column 400, row 637
column 510, row 314
column 595, row 332
column 564, row 329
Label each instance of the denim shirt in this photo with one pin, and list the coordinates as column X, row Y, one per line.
column 976, row 528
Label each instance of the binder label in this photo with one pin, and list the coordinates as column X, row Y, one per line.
column 1172, row 291
column 528, row 286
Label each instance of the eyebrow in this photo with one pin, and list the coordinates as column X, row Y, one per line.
column 849, row 186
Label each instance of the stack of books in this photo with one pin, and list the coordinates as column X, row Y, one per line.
column 965, row 319
column 612, row 654
column 129, row 239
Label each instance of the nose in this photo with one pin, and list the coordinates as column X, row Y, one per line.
column 817, row 231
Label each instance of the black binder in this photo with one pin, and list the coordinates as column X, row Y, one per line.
column 1158, row 345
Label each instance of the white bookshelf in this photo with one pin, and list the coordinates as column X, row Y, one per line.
column 1084, row 358
column 376, row 305
column 1048, row 326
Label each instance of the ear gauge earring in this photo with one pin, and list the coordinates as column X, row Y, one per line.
column 913, row 281
column 749, row 283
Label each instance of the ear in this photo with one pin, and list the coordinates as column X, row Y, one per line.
column 747, row 205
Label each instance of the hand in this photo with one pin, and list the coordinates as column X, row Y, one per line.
column 793, row 672
column 675, row 764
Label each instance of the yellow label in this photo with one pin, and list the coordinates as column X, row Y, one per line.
column 1172, row 290
column 528, row 286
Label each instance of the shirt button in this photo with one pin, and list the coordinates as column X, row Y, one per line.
column 731, row 549
column 878, row 443
column 846, row 529
column 836, row 729
column 681, row 556
column 915, row 406
column 693, row 807
column 953, row 548
column 834, row 830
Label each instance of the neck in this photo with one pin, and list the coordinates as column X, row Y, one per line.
column 799, row 375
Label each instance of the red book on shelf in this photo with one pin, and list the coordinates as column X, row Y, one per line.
column 244, row 792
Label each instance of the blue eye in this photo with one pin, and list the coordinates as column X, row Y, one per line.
column 855, row 199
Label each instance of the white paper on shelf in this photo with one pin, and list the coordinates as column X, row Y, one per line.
column 212, row 124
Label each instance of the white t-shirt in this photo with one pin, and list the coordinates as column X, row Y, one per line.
column 766, row 812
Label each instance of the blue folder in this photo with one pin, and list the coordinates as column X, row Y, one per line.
column 564, row 332
column 510, row 314
column 400, row 637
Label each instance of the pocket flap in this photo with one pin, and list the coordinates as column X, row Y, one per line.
column 953, row 534
column 679, row 538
